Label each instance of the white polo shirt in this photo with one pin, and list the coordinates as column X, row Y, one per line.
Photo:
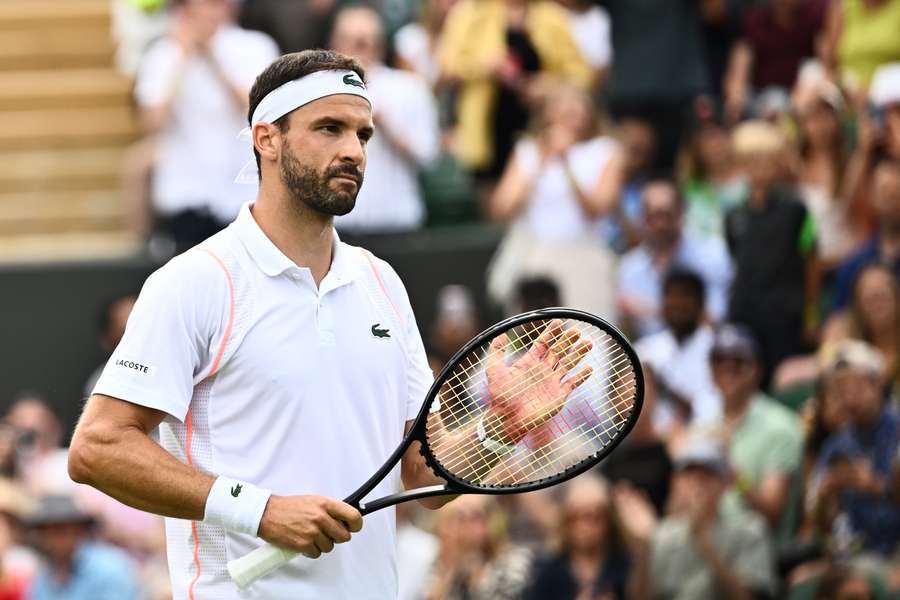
column 267, row 379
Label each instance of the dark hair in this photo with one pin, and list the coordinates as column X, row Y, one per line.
column 687, row 280
column 105, row 313
column 294, row 66
column 537, row 292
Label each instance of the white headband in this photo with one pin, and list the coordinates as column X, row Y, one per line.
column 294, row 94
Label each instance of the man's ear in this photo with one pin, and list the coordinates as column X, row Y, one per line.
column 267, row 141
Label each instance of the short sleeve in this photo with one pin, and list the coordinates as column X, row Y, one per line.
column 166, row 349
column 419, row 376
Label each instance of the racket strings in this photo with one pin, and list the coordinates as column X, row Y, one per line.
column 541, row 458
column 587, row 420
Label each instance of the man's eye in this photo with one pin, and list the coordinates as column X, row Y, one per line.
column 329, row 128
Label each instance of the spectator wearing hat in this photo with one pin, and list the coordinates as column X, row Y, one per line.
column 858, row 471
column 17, row 562
column 772, row 241
column 666, row 246
column 700, row 551
column 679, row 356
column 75, row 566
column 763, row 439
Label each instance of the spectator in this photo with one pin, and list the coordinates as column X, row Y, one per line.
column 294, row 26
column 658, row 67
column 702, row 551
column 17, row 563
column 884, row 245
column 873, row 316
column 535, row 293
column 859, row 36
column 474, row 562
column 416, row 43
column 818, row 106
column 679, row 357
column 843, row 583
column 642, row 460
column 42, row 462
column 499, row 51
column 192, row 92
column 708, row 178
column 591, row 29
column 763, row 439
column 407, row 131
column 858, row 470
column 110, row 328
column 666, row 246
column 776, row 38
column 592, row 561
column 75, row 567
column 772, row 241
column 416, row 552
column 556, row 187
column 456, row 322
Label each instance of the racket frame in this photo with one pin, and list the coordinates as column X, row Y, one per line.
column 455, row 485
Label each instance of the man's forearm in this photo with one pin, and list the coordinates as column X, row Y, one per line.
column 129, row 466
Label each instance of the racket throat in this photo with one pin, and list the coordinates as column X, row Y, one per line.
column 405, row 496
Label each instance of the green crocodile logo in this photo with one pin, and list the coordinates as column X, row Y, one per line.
column 380, row 333
column 350, row 79
column 236, row 490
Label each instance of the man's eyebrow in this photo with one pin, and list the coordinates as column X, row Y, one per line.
column 329, row 121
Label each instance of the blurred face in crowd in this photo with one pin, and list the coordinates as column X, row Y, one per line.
column 832, row 407
column 638, row 143
column 662, row 215
column 713, row 147
column 698, row 490
column 861, row 393
column 681, row 308
column 892, row 130
column 586, row 512
column 358, row 33
column 464, row 524
column 886, row 194
column 207, row 16
column 761, row 168
column 117, row 318
column 570, row 110
column 876, row 299
column 60, row 541
column 820, row 124
column 323, row 153
column 854, row 588
column 34, row 420
column 736, row 376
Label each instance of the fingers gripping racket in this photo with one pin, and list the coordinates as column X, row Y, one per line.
column 531, row 402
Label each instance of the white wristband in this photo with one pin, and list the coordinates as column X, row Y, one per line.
column 492, row 445
column 235, row 505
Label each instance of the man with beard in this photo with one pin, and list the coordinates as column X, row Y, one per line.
column 273, row 358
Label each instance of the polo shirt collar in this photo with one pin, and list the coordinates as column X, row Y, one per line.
column 273, row 262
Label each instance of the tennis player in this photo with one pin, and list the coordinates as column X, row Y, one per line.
column 281, row 368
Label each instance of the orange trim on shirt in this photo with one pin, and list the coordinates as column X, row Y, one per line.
column 189, row 420
column 372, row 264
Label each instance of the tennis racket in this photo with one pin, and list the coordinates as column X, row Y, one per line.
column 531, row 402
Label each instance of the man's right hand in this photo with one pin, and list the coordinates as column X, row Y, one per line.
column 309, row 525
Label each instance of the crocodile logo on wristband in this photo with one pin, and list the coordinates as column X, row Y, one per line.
column 236, row 490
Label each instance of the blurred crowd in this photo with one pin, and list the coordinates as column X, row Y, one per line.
column 721, row 178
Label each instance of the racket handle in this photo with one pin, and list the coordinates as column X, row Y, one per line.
column 259, row 563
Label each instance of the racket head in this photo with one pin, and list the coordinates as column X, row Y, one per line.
column 591, row 423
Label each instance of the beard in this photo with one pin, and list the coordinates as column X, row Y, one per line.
column 310, row 188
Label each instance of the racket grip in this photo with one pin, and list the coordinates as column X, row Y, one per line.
column 259, row 563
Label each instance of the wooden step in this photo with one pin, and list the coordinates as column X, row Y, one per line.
column 56, row 48
column 67, row 247
column 67, row 169
column 69, row 88
column 66, row 128
column 32, row 213
column 39, row 15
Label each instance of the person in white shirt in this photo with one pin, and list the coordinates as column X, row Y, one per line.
column 591, row 29
column 416, row 43
column 408, row 133
column 665, row 246
column 191, row 88
column 555, row 189
column 274, row 357
column 679, row 358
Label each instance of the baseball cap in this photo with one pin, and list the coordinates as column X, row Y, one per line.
column 57, row 509
column 885, row 88
column 855, row 355
column 731, row 339
column 703, row 452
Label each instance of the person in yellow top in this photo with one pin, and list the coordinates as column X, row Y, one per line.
column 499, row 51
